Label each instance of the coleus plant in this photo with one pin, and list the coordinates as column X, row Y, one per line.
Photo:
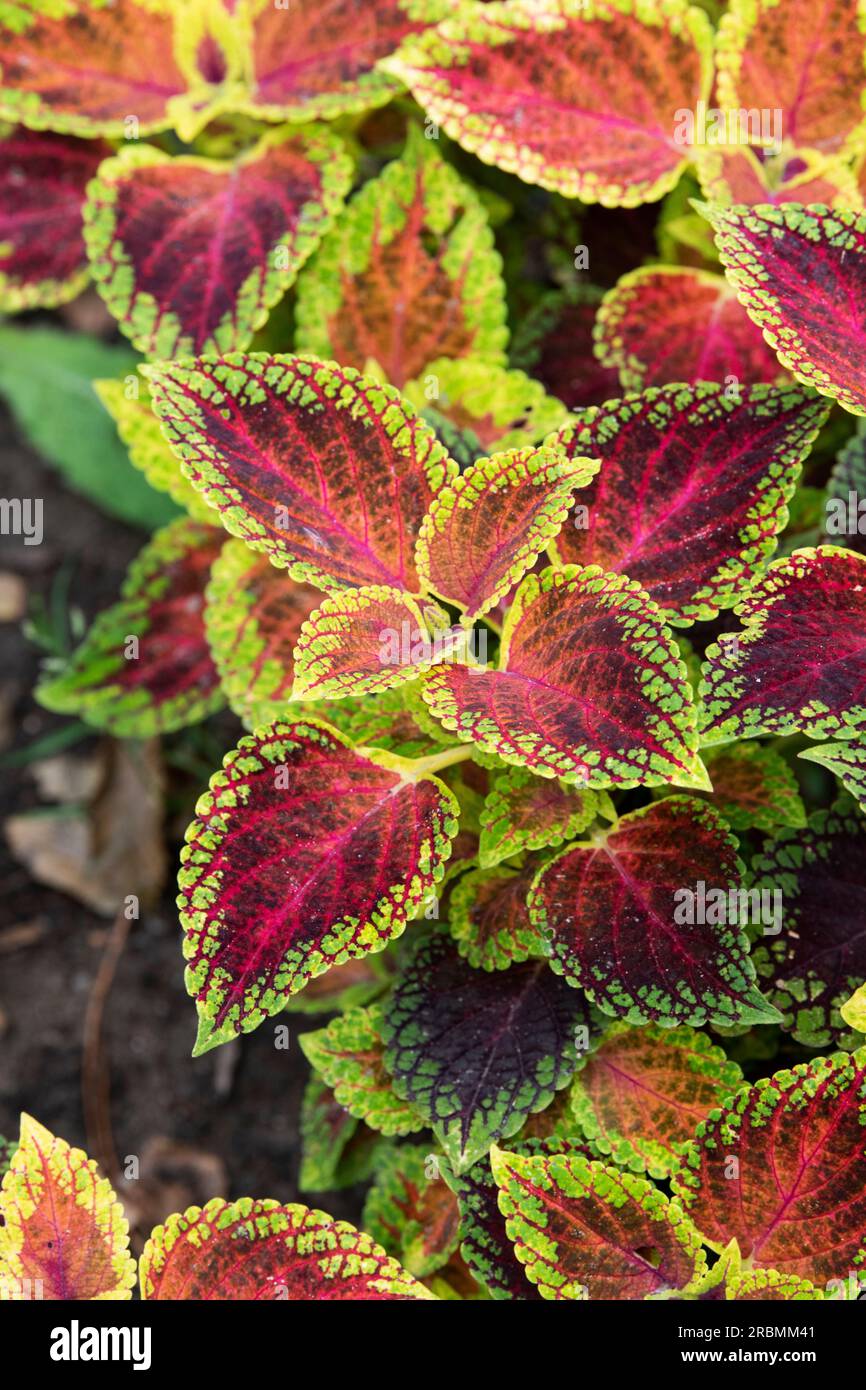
column 517, row 640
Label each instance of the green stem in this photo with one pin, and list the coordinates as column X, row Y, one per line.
column 436, row 761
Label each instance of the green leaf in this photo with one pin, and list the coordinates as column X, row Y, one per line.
column 46, row 376
column 349, row 1055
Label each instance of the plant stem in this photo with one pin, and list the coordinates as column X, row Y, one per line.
column 436, row 761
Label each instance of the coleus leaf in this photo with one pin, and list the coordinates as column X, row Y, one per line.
column 771, row 1285
column 485, row 1245
column 847, row 761
column 81, row 67
column 253, row 615
column 584, row 1230
column 310, row 63
column 618, row 927
column 256, row 1249
column 366, row 641
column 692, row 490
column 664, row 324
column 485, row 529
column 349, row 1054
column 304, row 854
column 779, row 675
column 806, row 1127
column 418, row 227
column 590, row 687
column 499, row 408
column 145, row 667
column 734, row 174
column 42, row 181
column 191, row 254
column 791, row 268
column 639, row 1096
column 477, row 1052
column 818, row 956
column 554, row 343
column 489, row 918
column 522, row 812
column 128, row 404
column 63, row 1234
column 571, row 95
column 320, row 469
column 754, row 788
column 411, row 1211
column 776, row 57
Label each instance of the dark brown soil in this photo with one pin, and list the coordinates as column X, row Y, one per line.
column 245, row 1118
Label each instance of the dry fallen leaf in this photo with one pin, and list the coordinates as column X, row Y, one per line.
column 109, row 846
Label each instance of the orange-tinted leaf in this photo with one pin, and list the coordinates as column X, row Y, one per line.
column 408, row 274
column 63, row 1234
column 576, row 95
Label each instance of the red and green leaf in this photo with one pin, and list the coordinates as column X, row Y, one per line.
column 586, row 1231
column 324, row 61
column 809, row 67
column 366, row 641
column 253, row 616
column 145, row 667
column 325, row 472
column 485, row 1244
column 616, row 914
column 304, row 854
column 754, row 788
column 418, row 227
column 42, row 181
column 693, row 488
column 191, row 254
column 575, row 95
column 522, row 812
column 783, row 673
column 847, row 761
column 554, row 343
column 663, row 324
column 590, row 687
column 477, row 1051
column 486, row 529
column 256, row 1249
column 63, row 1235
column 800, row 273
column 498, row 408
column 128, row 404
column 489, row 919
column 639, row 1096
column 818, row 957
column 807, row 1128
column 349, row 1055
column 81, row 66
column 411, row 1211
